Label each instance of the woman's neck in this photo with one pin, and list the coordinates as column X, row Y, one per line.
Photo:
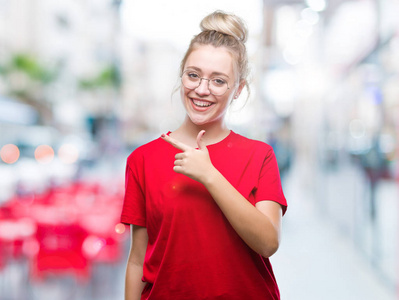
column 188, row 131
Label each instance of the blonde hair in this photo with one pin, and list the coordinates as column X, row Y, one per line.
column 221, row 29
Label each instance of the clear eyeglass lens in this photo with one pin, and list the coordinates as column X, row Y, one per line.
column 193, row 80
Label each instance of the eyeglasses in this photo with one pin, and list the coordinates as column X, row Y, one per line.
column 216, row 85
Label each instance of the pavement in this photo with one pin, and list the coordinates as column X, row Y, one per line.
column 316, row 259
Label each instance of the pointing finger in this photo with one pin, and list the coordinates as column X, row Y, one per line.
column 200, row 142
column 175, row 143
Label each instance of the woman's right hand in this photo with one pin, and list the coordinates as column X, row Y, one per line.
column 192, row 162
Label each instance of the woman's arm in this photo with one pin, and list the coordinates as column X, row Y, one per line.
column 259, row 226
column 134, row 269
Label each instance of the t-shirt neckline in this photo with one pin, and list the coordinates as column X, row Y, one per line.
column 220, row 143
column 223, row 141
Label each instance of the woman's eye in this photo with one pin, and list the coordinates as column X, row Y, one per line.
column 219, row 81
column 193, row 75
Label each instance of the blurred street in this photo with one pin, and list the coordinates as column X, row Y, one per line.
column 83, row 83
column 317, row 260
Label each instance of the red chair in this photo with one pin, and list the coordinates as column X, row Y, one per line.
column 60, row 252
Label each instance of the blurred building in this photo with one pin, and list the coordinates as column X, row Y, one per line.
column 75, row 41
column 149, row 104
column 331, row 69
column 59, row 82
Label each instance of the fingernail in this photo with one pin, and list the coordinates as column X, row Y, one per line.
column 163, row 135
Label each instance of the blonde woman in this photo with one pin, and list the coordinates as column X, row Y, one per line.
column 205, row 203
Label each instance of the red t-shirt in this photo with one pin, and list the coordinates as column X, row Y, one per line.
column 193, row 252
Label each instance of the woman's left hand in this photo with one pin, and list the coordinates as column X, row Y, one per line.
column 192, row 162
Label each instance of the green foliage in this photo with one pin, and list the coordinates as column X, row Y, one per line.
column 29, row 65
column 107, row 78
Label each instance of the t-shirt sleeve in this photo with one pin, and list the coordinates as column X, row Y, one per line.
column 269, row 185
column 134, row 207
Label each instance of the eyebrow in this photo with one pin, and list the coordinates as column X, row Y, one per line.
column 213, row 73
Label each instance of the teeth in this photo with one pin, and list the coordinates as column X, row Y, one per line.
column 202, row 103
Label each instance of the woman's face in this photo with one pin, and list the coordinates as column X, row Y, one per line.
column 208, row 62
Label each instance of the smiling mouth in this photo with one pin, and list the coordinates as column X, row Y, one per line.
column 201, row 103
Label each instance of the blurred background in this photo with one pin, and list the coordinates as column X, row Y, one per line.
column 83, row 83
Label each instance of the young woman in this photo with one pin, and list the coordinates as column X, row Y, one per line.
column 205, row 203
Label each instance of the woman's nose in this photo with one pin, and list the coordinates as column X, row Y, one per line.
column 203, row 88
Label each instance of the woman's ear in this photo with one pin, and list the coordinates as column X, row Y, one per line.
column 239, row 89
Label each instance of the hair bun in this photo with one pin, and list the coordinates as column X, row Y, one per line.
column 225, row 23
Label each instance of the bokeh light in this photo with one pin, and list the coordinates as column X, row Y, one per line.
column 68, row 153
column 9, row 153
column 317, row 5
column 92, row 245
column 44, row 154
column 120, row 228
column 310, row 15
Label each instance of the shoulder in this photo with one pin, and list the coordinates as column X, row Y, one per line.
column 251, row 144
column 146, row 150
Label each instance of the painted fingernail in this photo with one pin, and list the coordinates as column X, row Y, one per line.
column 163, row 135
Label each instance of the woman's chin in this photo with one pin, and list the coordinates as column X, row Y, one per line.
column 199, row 122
